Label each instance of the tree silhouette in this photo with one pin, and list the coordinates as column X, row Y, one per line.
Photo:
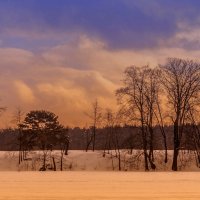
column 43, row 126
column 181, row 80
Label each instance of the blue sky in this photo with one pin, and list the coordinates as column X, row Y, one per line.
column 120, row 24
column 61, row 55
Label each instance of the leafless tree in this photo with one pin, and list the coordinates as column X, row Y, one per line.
column 63, row 142
column 17, row 119
column 113, row 134
column 139, row 104
column 151, row 95
column 109, row 123
column 88, row 135
column 95, row 115
column 192, row 134
column 181, row 80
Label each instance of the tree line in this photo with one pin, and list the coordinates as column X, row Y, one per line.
column 169, row 93
column 149, row 99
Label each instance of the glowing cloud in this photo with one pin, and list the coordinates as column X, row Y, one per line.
column 61, row 56
column 24, row 92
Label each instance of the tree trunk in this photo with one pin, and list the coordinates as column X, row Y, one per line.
column 146, row 160
column 88, row 144
column 94, row 138
column 20, row 155
column 145, row 149
column 67, row 148
column 175, row 158
column 176, row 147
column 151, row 153
column 165, row 145
column 119, row 160
column 89, row 140
column 54, row 164
column 61, row 162
column 44, row 162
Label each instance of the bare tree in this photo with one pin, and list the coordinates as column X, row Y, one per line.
column 63, row 141
column 116, row 136
column 95, row 115
column 151, row 95
column 113, row 136
column 109, row 123
column 192, row 134
column 181, row 80
column 138, row 100
column 160, row 122
column 88, row 134
column 17, row 119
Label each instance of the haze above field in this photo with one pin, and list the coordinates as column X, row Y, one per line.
column 61, row 55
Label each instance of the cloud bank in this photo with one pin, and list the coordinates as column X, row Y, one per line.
column 62, row 55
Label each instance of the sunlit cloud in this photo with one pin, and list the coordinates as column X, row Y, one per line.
column 66, row 79
column 62, row 56
column 24, row 92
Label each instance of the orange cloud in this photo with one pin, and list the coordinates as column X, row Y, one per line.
column 24, row 92
column 67, row 78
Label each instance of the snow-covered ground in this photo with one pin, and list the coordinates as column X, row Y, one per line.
column 99, row 186
column 90, row 176
column 95, row 161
